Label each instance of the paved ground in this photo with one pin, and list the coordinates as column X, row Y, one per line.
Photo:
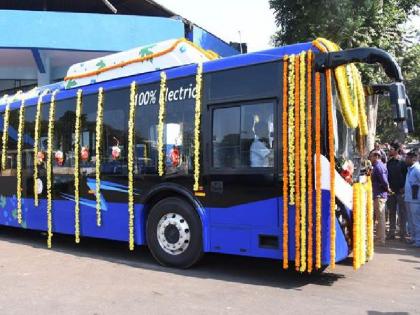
column 102, row 277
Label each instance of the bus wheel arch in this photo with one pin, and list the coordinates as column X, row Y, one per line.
column 179, row 199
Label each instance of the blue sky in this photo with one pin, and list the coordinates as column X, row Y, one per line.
column 226, row 18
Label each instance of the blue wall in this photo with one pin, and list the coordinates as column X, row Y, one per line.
column 81, row 31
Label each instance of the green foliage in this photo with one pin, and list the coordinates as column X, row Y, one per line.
column 357, row 23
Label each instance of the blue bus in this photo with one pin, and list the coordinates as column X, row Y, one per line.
column 188, row 169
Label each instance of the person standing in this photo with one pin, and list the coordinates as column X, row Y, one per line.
column 397, row 171
column 412, row 197
column 380, row 187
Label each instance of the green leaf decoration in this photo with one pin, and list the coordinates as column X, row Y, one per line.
column 71, row 84
column 146, row 51
column 101, row 64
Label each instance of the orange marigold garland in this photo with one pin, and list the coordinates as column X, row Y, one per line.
column 318, row 200
column 310, row 163
column 285, row 171
column 331, row 147
column 297, row 164
column 302, row 158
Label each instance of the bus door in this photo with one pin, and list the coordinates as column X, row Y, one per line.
column 243, row 190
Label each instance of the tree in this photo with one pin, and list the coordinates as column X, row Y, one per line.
column 350, row 23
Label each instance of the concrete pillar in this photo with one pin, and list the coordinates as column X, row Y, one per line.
column 44, row 78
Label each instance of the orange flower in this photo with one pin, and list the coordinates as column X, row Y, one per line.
column 310, row 164
column 297, row 164
column 285, row 170
column 318, row 200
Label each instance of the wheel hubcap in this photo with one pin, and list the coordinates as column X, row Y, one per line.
column 173, row 234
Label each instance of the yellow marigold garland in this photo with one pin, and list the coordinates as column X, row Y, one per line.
column 363, row 224
column 36, row 145
column 302, row 161
column 77, row 128
column 310, row 163
column 198, row 80
column 131, row 144
column 318, row 199
column 291, row 129
column 361, row 100
column 285, row 170
column 49, row 166
column 297, row 163
column 161, row 118
column 356, row 225
column 99, row 129
column 20, row 136
column 6, row 117
column 369, row 197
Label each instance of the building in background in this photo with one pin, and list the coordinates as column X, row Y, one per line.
column 40, row 39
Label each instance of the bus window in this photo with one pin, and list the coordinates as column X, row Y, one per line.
column 243, row 136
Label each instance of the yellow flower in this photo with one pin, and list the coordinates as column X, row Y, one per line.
column 77, row 127
column 19, row 160
column 131, row 144
column 161, row 118
column 198, row 80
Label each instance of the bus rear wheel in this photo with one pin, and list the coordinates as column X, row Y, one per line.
column 174, row 233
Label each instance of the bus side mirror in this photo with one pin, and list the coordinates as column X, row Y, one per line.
column 398, row 97
column 410, row 121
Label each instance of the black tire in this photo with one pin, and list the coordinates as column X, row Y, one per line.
column 193, row 251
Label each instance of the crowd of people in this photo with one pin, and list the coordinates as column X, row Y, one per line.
column 396, row 192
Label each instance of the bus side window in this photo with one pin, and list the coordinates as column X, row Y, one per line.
column 243, row 136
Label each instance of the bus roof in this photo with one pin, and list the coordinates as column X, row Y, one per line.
column 236, row 61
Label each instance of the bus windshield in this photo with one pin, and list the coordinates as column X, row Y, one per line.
column 345, row 137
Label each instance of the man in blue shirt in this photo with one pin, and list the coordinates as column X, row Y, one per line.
column 412, row 197
column 380, row 187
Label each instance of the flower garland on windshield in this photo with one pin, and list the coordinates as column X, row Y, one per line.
column 77, row 128
column 6, row 117
column 285, row 170
column 297, row 164
column 36, row 145
column 303, row 157
column 310, row 159
column 99, row 130
column 131, row 144
column 291, row 129
column 369, row 209
column 318, row 199
column 21, row 129
column 331, row 152
column 356, row 225
column 161, row 118
column 198, row 80
column 49, row 167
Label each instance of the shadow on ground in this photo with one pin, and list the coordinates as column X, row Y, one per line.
column 247, row 270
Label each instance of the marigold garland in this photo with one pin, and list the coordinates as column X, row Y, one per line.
column 36, row 145
column 198, row 80
column 131, row 144
column 99, row 130
column 297, row 163
column 49, row 166
column 363, row 224
column 6, row 117
column 356, row 225
column 369, row 197
column 291, row 129
column 285, row 170
column 310, row 163
column 331, row 150
column 21, row 129
column 161, row 118
column 77, row 128
column 318, row 199
column 302, row 161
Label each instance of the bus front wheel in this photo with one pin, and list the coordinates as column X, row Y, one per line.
column 174, row 233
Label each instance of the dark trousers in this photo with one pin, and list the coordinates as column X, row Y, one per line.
column 396, row 205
